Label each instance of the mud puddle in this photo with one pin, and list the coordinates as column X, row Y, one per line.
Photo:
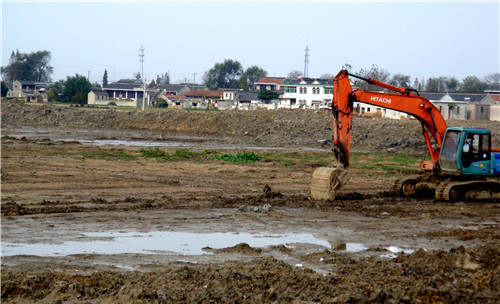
column 169, row 242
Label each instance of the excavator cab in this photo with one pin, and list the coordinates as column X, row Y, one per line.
column 467, row 151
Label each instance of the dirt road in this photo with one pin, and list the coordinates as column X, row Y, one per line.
column 87, row 223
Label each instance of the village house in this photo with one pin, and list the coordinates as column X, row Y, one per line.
column 198, row 98
column 128, row 92
column 269, row 83
column 98, row 97
column 305, row 93
column 30, row 91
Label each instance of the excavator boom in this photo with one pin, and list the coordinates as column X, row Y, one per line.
column 404, row 101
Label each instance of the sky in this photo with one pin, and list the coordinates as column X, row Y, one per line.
column 416, row 38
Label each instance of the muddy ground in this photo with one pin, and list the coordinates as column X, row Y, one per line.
column 371, row 247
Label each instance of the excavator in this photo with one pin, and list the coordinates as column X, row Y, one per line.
column 462, row 164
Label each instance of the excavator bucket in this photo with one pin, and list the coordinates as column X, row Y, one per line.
column 327, row 181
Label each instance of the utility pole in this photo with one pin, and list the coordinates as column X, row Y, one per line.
column 194, row 77
column 88, row 76
column 141, row 60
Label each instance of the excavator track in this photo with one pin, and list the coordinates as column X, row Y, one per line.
column 450, row 190
column 405, row 186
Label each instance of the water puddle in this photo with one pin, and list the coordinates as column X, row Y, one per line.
column 162, row 242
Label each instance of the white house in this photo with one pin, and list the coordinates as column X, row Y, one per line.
column 306, row 93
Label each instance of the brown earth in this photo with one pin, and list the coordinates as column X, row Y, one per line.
column 54, row 192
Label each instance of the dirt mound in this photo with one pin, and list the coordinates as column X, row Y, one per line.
column 292, row 128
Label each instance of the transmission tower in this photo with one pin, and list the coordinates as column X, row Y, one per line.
column 141, row 60
column 306, row 62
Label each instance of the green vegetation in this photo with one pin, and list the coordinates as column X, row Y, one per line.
column 109, row 155
column 155, row 152
column 390, row 163
column 243, row 157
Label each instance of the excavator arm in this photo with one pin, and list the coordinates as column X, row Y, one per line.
column 404, row 100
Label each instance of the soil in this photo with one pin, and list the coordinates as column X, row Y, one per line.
column 413, row 250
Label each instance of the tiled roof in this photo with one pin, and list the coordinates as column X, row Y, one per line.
column 124, row 84
column 204, row 93
column 495, row 97
column 268, row 80
column 171, row 87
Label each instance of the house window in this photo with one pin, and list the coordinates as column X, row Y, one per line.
column 302, row 90
column 315, row 90
column 482, row 110
column 328, row 90
column 290, row 89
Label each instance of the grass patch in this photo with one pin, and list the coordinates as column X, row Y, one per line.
column 109, row 155
column 243, row 157
column 7, row 137
column 154, row 152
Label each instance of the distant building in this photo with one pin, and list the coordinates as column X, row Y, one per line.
column 269, row 83
column 98, row 97
column 30, row 91
column 305, row 93
column 128, row 92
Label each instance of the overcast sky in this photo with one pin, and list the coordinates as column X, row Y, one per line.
column 420, row 39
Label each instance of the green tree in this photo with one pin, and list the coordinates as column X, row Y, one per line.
column 254, row 74
column 34, row 66
column 224, row 75
column 452, row 84
column 5, row 89
column 244, row 82
column 56, row 91
column 400, row 80
column 76, row 89
column 268, row 95
column 105, row 79
column 472, row 84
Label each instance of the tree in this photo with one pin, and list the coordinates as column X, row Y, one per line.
column 417, row 85
column 492, row 78
column 5, row 89
column 224, row 75
column 346, row 66
column 34, row 66
column 295, row 74
column 254, row 74
column 268, row 95
column 105, row 79
column 137, row 76
column 400, row 80
column 376, row 73
column 327, row 76
column 244, row 82
column 452, row 84
column 76, row 89
column 472, row 84
column 56, row 92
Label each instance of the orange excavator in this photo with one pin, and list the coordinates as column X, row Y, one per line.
column 462, row 164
